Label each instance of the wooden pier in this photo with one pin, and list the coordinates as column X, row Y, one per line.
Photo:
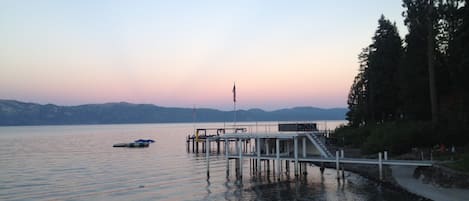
column 281, row 149
column 198, row 139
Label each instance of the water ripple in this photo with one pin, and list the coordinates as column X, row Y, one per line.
column 79, row 163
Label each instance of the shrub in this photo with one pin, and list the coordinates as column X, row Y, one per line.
column 350, row 136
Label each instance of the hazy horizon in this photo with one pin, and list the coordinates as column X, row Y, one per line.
column 169, row 106
column 186, row 53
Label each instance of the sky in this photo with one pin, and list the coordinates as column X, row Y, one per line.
column 181, row 53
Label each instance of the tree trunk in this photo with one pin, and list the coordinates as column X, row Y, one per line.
column 431, row 65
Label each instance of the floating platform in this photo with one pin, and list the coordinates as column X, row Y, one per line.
column 132, row 145
column 140, row 143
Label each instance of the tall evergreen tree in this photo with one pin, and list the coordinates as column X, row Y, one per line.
column 384, row 59
column 447, row 25
column 357, row 95
column 458, row 56
column 414, row 75
column 373, row 96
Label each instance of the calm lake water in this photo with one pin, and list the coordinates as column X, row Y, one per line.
column 79, row 163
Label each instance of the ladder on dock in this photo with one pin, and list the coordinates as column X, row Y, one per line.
column 319, row 145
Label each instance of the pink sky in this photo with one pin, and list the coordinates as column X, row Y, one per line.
column 280, row 55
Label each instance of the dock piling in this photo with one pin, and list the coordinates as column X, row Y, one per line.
column 240, row 159
column 295, row 142
column 258, row 146
column 207, row 155
column 337, row 164
column 304, row 147
column 380, row 164
column 277, row 149
column 227, row 142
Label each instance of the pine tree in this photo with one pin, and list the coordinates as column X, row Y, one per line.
column 458, row 64
column 373, row 96
column 384, row 59
column 413, row 74
column 357, row 95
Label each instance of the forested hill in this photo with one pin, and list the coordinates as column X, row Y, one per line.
column 20, row 113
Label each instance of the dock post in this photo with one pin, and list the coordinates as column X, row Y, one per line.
column 304, row 147
column 295, row 142
column 342, row 155
column 193, row 147
column 385, row 155
column 321, row 169
column 227, row 157
column 218, row 146
column 380, row 164
column 337, row 164
column 274, row 168
column 300, row 164
column 203, row 146
column 305, row 172
column 277, row 147
column 240, row 159
column 187, row 142
column 343, row 172
column 305, row 168
column 258, row 146
column 237, row 158
column 196, row 146
column 207, row 156
column 268, row 166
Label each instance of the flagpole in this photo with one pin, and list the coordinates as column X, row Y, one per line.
column 234, row 105
column 234, row 115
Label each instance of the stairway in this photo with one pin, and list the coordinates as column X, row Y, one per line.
column 319, row 145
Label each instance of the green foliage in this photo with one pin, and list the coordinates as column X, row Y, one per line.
column 461, row 164
column 389, row 100
column 373, row 95
column 398, row 137
column 350, row 136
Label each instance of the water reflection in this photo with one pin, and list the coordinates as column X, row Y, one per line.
column 79, row 163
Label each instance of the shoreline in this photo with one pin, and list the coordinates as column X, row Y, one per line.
column 401, row 178
column 373, row 175
column 404, row 178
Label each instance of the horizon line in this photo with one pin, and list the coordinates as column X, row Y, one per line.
column 157, row 105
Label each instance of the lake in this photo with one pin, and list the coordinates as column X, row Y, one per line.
column 79, row 163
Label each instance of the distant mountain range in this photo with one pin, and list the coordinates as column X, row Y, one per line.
column 14, row 112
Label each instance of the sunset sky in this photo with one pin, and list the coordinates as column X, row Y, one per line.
column 184, row 53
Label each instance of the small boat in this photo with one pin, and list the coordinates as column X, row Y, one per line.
column 140, row 143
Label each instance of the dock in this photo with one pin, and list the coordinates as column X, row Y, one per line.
column 300, row 144
column 198, row 139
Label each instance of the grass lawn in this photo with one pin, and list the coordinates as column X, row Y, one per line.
column 461, row 164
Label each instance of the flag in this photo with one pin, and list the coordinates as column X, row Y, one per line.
column 234, row 93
